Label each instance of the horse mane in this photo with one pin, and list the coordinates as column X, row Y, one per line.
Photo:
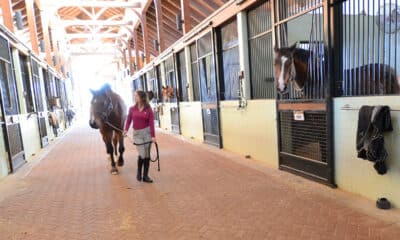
column 302, row 55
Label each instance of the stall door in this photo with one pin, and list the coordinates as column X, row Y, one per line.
column 37, row 92
column 172, row 82
column 209, row 90
column 304, row 115
column 10, row 108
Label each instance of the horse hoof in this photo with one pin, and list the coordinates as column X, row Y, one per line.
column 114, row 171
column 120, row 163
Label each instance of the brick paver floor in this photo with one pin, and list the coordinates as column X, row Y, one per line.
column 200, row 193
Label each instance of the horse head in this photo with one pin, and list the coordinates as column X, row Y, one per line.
column 101, row 106
column 291, row 64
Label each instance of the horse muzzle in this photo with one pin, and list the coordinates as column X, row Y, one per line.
column 285, row 90
column 93, row 125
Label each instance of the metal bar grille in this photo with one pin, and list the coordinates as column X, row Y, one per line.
column 206, row 66
column 159, row 82
column 310, row 41
column 175, row 120
column 23, row 60
column 307, row 139
column 211, row 127
column 195, row 73
column 260, row 49
column 370, row 52
column 37, row 91
column 138, row 84
column 293, row 8
column 15, row 140
column 229, row 88
column 184, row 85
column 4, row 49
column 42, row 127
column 9, row 88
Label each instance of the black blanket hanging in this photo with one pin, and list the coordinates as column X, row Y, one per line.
column 373, row 121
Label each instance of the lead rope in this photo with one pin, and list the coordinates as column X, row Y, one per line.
column 114, row 127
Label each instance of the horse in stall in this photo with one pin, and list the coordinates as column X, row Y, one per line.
column 167, row 93
column 292, row 65
column 108, row 113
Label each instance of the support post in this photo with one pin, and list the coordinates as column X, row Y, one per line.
column 145, row 41
column 186, row 16
column 7, row 13
column 160, row 26
column 32, row 25
column 244, row 52
column 46, row 36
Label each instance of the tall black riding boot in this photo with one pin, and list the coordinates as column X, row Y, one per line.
column 139, row 168
column 146, row 177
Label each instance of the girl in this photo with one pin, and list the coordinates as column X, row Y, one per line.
column 143, row 131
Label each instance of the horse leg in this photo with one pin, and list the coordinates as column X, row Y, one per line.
column 121, row 150
column 115, row 143
column 107, row 137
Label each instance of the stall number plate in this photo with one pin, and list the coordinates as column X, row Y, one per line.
column 299, row 116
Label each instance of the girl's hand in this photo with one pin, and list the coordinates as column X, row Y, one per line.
column 125, row 133
column 154, row 140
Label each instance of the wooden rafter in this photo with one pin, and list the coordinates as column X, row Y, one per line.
column 32, row 25
column 92, row 3
column 6, row 8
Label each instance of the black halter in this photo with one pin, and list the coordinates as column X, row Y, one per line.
column 108, row 109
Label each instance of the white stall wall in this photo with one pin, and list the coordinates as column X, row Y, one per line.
column 358, row 175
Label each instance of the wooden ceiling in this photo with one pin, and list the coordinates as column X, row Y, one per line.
column 91, row 13
column 199, row 9
column 75, row 11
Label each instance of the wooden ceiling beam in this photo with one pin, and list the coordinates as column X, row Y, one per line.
column 186, row 16
column 6, row 9
column 32, row 25
column 90, row 35
column 146, row 40
column 160, row 25
column 77, row 22
column 92, row 3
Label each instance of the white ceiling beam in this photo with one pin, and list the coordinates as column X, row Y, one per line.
column 67, row 23
column 92, row 3
column 94, row 36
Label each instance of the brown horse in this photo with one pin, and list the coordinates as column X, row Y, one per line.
column 108, row 113
column 292, row 65
column 167, row 92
